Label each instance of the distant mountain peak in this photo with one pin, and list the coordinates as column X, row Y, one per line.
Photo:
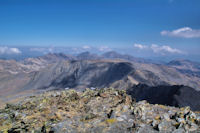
column 87, row 56
column 112, row 54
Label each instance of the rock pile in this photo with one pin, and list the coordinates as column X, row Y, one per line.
column 96, row 111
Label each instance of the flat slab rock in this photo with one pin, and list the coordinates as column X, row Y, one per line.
column 95, row 111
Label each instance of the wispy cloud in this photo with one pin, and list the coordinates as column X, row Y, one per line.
column 86, row 47
column 185, row 32
column 164, row 49
column 38, row 49
column 42, row 50
column 140, row 46
column 104, row 48
column 7, row 50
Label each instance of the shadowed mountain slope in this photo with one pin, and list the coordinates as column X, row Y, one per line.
column 177, row 95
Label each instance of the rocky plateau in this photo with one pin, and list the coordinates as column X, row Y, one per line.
column 96, row 111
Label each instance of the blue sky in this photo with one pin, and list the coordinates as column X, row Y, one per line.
column 141, row 27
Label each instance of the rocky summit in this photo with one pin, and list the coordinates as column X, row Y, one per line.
column 95, row 111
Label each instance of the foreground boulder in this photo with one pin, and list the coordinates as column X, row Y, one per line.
column 105, row 110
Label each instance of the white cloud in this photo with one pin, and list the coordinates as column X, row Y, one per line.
column 7, row 50
column 164, row 49
column 185, row 32
column 140, row 46
column 86, row 47
column 159, row 49
column 104, row 48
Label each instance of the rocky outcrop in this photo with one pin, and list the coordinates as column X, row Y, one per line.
column 104, row 110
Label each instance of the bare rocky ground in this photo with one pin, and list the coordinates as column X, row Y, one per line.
column 95, row 111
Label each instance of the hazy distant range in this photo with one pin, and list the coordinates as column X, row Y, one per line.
column 32, row 51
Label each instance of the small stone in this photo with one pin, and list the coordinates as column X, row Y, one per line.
column 157, row 117
column 149, row 121
column 128, row 100
column 88, row 116
column 104, row 95
column 187, row 127
column 171, row 114
column 131, row 120
column 120, row 119
column 176, row 124
column 142, row 102
column 146, row 129
column 193, row 128
column 198, row 118
column 125, row 107
column 186, row 110
column 155, row 123
column 166, row 117
column 58, row 116
column 193, row 115
column 179, row 130
column 181, row 120
column 166, row 126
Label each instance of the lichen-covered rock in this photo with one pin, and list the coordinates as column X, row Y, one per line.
column 95, row 111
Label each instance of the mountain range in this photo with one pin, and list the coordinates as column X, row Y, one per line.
column 60, row 71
